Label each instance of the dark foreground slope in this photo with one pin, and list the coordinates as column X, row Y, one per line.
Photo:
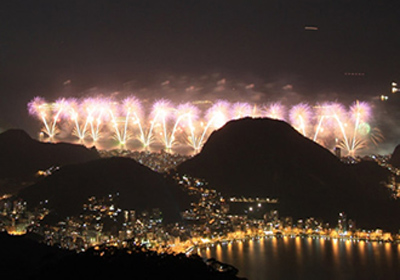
column 139, row 187
column 395, row 159
column 21, row 156
column 268, row 158
column 22, row 258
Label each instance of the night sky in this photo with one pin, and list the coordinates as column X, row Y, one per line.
column 106, row 44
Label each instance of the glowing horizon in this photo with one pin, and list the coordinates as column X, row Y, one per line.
column 330, row 124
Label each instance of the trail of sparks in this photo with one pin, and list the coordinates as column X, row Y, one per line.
column 100, row 118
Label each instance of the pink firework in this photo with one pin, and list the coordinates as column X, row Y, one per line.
column 241, row 110
column 274, row 111
column 187, row 114
column 132, row 109
column 37, row 106
column 338, row 114
column 300, row 116
column 99, row 117
column 132, row 105
column 162, row 111
column 360, row 111
column 218, row 114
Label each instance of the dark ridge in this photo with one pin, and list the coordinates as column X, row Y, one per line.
column 21, row 156
column 139, row 187
column 268, row 158
column 372, row 205
column 22, row 258
column 12, row 135
column 395, row 159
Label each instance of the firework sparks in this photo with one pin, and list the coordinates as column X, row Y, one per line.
column 91, row 119
column 300, row 116
column 274, row 111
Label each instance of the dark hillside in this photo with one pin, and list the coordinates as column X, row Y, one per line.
column 268, row 158
column 21, row 156
column 22, row 258
column 395, row 159
column 140, row 188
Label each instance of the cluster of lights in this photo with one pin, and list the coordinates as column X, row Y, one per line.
column 395, row 87
column 98, row 118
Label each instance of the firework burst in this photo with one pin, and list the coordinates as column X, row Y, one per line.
column 98, row 118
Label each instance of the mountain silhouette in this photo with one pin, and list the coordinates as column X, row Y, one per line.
column 21, row 156
column 395, row 159
column 268, row 158
column 139, row 188
column 23, row 258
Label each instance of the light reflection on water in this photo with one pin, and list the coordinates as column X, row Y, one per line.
column 308, row 258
